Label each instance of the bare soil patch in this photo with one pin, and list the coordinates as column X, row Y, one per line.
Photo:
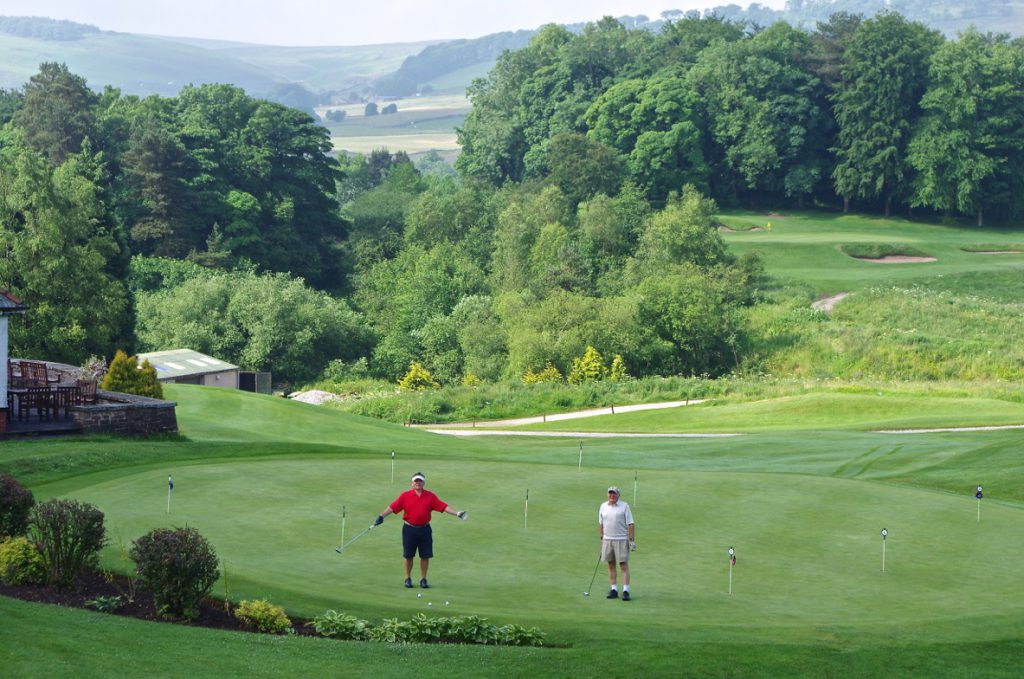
column 828, row 303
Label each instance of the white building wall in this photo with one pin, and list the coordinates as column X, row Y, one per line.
column 3, row 362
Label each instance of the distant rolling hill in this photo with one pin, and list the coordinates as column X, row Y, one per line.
column 135, row 64
column 145, row 65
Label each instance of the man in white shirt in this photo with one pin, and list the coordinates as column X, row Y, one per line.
column 618, row 538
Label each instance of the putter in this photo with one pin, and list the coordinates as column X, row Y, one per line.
column 339, row 550
column 594, row 576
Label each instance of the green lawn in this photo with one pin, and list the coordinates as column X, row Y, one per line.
column 265, row 481
column 817, row 410
column 804, row 247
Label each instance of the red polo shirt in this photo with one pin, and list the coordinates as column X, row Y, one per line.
column 417, row 507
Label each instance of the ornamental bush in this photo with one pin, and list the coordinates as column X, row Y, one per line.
column 468, row 629
column 178, row 565
column 548, row 374
column 341, row 626
column 417, row 379
column 20, row 563
column 263, row 616
column 69, row 535
column 16, row 502
column 617, row 373
column 589, row 368
column 126, row 376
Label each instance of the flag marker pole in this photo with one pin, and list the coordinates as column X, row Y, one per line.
column 977, row 494
column 170, row 487
column 732, row 562
column 634, row 488
column 392, row 467
column 342, row 525
column 884, row 533
column 526, row 507
column 579, row 468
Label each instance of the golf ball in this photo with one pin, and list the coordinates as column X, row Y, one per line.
column 418, row 596
column 445, row 603
column 430, row 603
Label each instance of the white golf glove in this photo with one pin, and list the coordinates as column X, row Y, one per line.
column 632, row 545
column 462, row 515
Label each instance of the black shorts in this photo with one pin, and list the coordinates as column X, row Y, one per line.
column 417, row 537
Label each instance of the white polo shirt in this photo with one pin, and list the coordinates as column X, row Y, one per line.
column 615, row 520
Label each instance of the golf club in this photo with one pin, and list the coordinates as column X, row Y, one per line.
column 344, row 546
column 593, row 577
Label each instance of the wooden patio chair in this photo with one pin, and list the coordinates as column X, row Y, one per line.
column 86, row 392
column 33, row 374
column 39, row 399
column 64, row 398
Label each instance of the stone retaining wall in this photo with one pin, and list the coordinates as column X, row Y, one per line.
column 126, row 414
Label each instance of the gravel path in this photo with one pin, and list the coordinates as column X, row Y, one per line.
column 565, row 416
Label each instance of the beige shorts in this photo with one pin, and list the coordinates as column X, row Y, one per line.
column 615, row 550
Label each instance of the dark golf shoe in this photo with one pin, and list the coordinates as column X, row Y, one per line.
column 408, row 583
column 614, row 594
column 625, row 596
column 423, row 584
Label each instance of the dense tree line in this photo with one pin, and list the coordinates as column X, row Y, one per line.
column 41, row 28
column 582, row 216
column 880, row 113
column 89, row 179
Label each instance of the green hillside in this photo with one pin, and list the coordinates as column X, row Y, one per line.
column 135, row 64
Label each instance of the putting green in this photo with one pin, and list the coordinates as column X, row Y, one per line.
column 809, row 548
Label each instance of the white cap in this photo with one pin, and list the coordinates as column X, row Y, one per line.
column 418, row 476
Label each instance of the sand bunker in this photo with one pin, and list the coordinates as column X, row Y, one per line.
column 897, row 259
column 997, row 252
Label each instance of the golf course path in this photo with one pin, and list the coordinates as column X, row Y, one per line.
column 565, row 416
column 953, row 429
column 571, row 434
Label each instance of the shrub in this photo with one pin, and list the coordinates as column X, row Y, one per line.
column 20, row 563
column 548, row 374
column 178, row 565
column 94, row 368
column 263, row 616
column 69, row 535
column 340, row 626
column 417, row 379
column 617, row 373
column 16, row 502
column 469, row 629
column 106, row 604
column 589, row 368
column 127, row 377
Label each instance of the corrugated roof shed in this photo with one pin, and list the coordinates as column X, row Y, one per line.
column 184, row 362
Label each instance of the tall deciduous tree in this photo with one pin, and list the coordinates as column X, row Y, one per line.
column 884, row 74
column 762, row 104
column 57, row 252
column 969, row 148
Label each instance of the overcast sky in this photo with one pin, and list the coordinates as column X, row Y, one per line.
column 339, row 22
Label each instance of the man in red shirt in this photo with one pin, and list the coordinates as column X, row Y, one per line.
column 417, row 503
